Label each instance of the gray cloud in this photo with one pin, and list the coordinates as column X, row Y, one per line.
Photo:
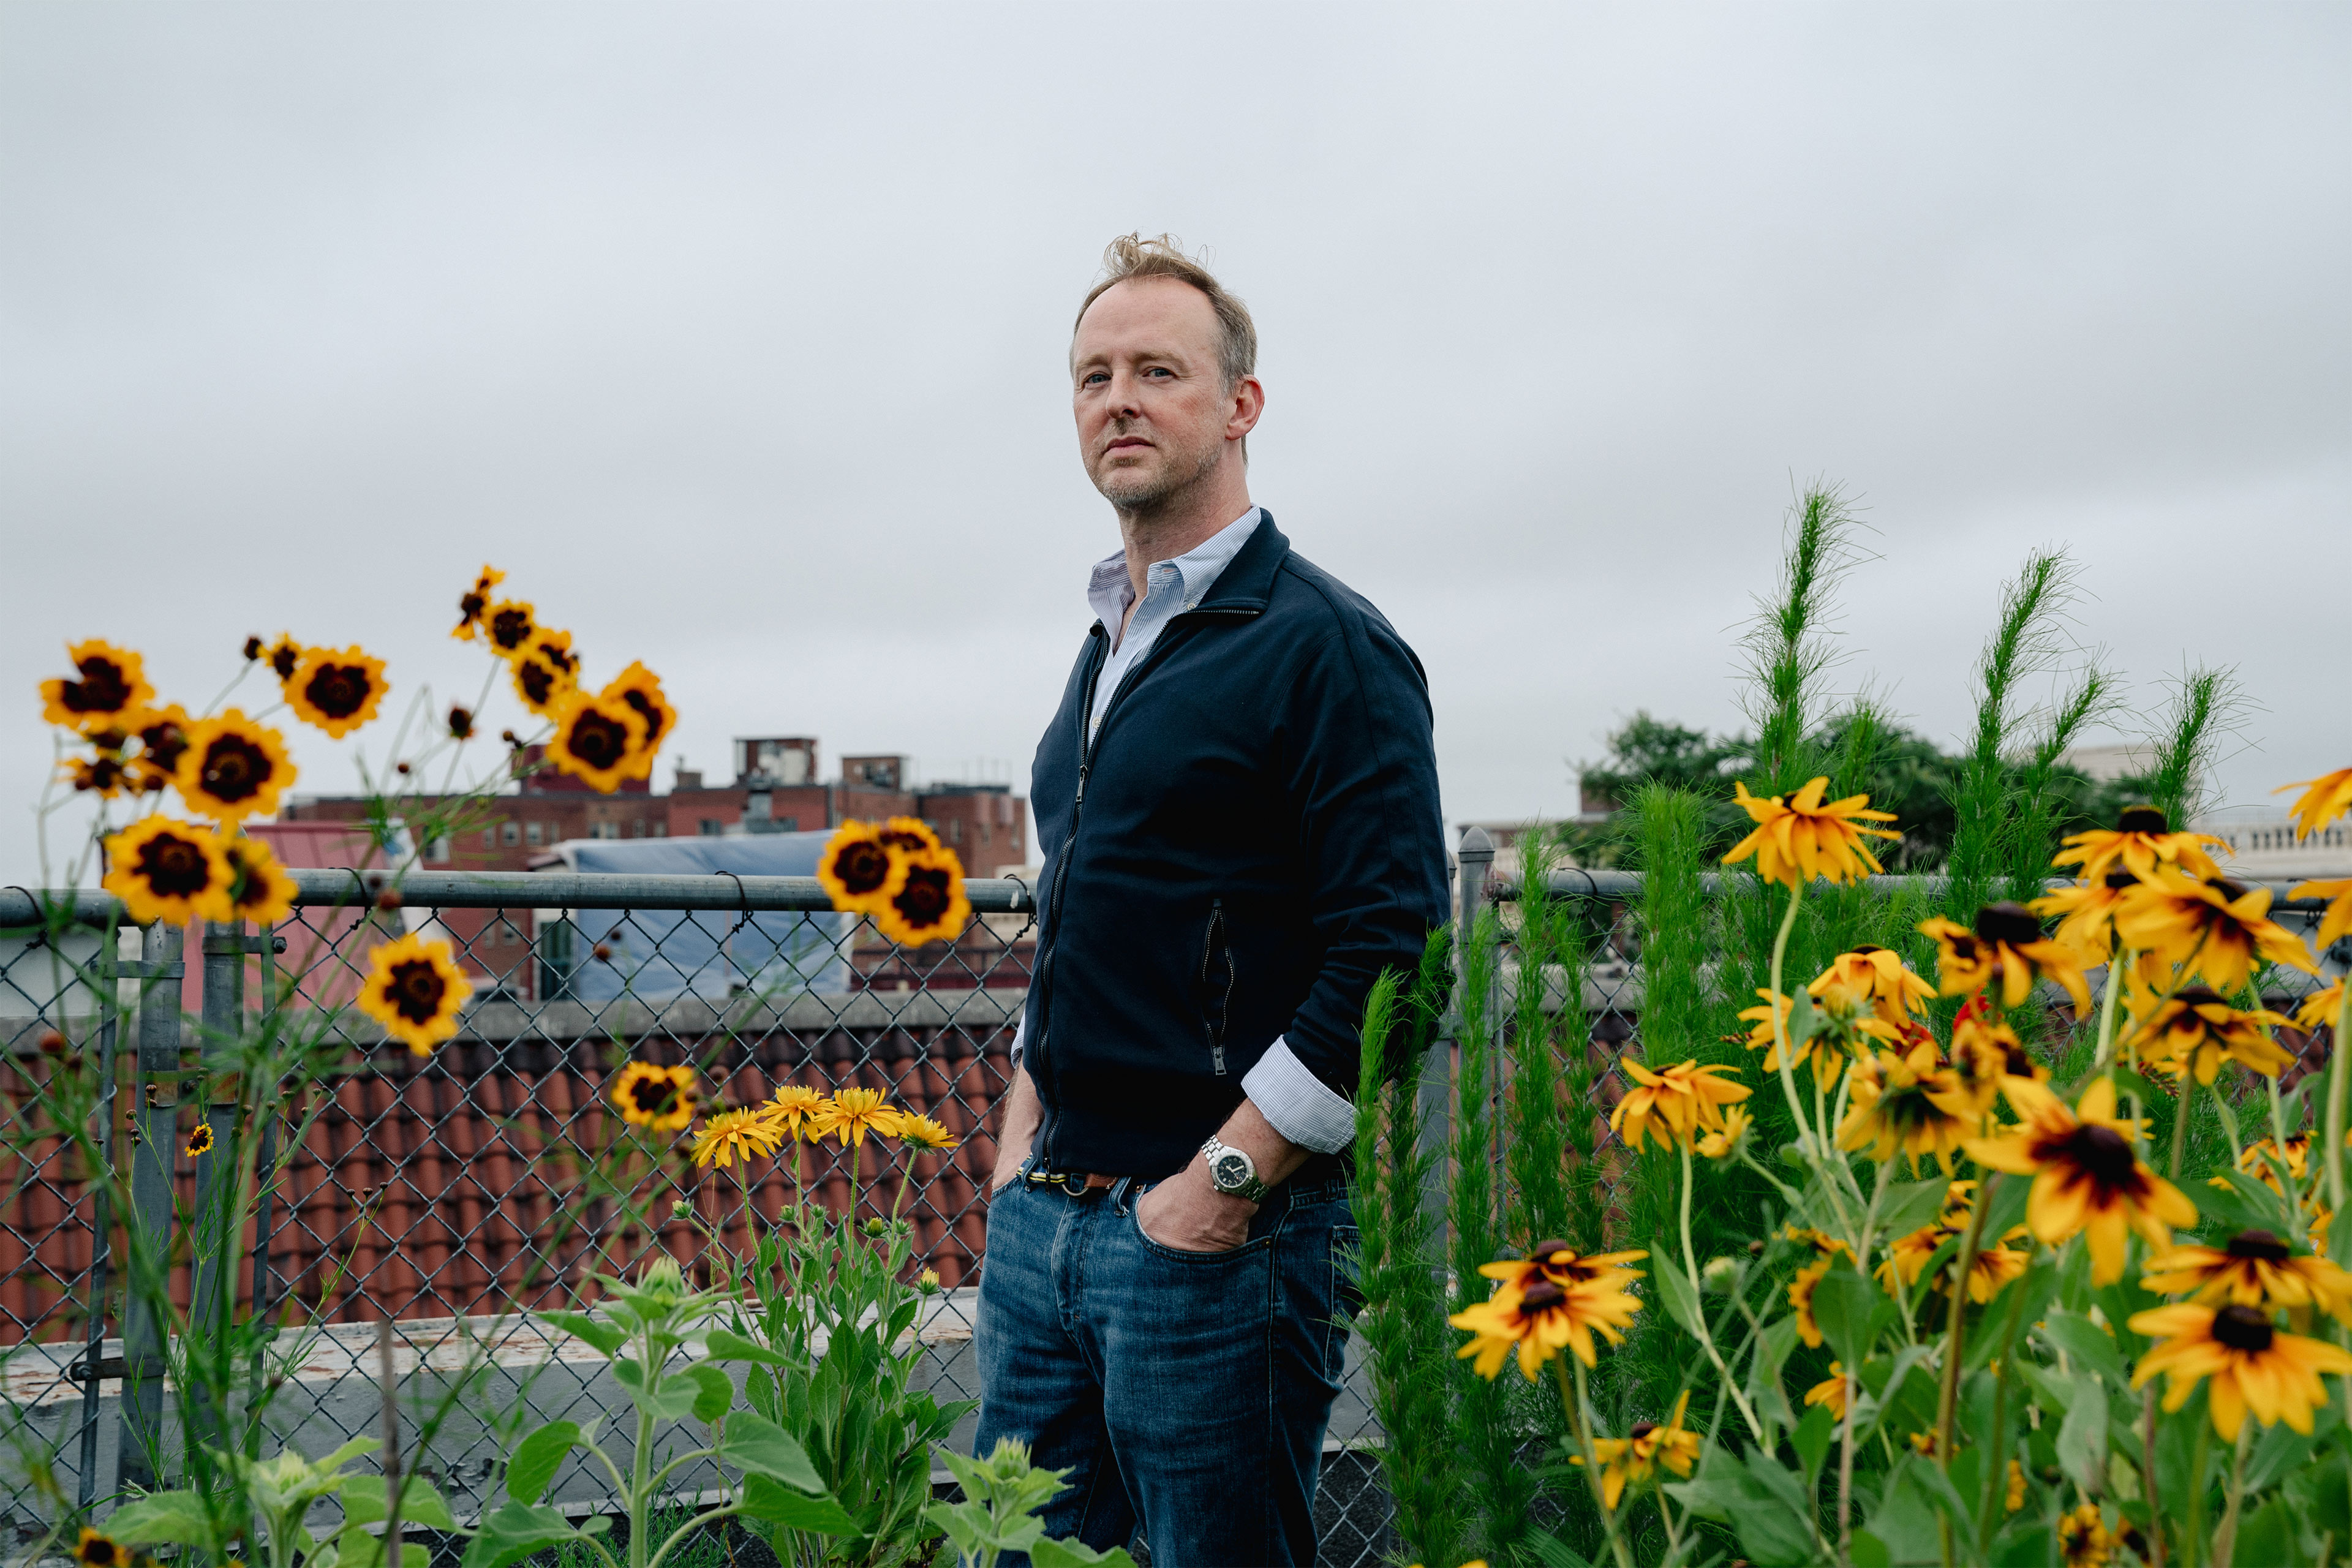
column 736, row 336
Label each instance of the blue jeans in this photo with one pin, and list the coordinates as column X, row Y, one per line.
column 1188, row 1389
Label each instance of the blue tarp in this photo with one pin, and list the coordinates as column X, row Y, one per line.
column 659, row 956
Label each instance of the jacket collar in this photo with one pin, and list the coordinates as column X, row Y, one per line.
column 1245, row 586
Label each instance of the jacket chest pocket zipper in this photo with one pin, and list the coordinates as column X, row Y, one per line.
column 1213, row 947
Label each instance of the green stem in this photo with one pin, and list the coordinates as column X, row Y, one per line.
column 2278, row 1141
column 1706, row 1338
column 1576, row 1400
column 2180, row 1105
column 1780, row 1024
column 1845, row 1435
column 2336, row 1076
column 1948, row 1400
column 2116, row 957
column 2196, row 1538
column 2225, row 1539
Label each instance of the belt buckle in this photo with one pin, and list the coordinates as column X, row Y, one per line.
column 1072, row 1182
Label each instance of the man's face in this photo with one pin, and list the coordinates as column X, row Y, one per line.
column 1154, row 414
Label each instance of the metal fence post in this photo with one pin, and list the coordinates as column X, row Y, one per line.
column 101, row 1228
column 148, row 1226
column 215, row 1242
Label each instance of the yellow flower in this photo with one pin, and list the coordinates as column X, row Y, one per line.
column 1724, row 1143
column 2196, row 1031
column 928, row 1282
column 910, row 834
column 929, row 903
column 259, row 889
column 2006, row 945
column 200, row 1141
column 336, row 691
column 1562, row 1265
column 596, row 739
column 1823, row 1243
column 661, row 1098
column 2254, row 1269
column 163, row 734
column 105, row 775
column 2321, row 1008
column 2324, row 799
column 1804, row 838
column 921, row 1131
column 641, row 689
column 475, row 601
column 1908, row 1104
column 2251, row 1364
column 2016, row 1499
column 794, row 1108
column 735, row 1134
column 1908, row 1255
column 1822, row 1052
column 2141, row 841
column 113, row 686
column 2294, row 1155
column 859, row 872
column 542, row 684
column 2083, row 1541
column 415, row 989
column 1634, row 1459
column 2337, row 920
column 1801, row 1297
column 509, row 624
column 233, row 768
column 285, row 657
column 2087, row 1176
column 2085, row 913
column 1829, row 1391
column 1874, row 976
column 1538, row 1320
column 851, row 1114
column 1986, row 1053
column 168, row 870
column 97, row 1551
column 1671, row 1107
column 2213, row 929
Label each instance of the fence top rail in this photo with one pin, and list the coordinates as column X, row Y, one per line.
column 346, row 888
column 1575, row 881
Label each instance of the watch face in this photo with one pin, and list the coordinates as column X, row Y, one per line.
column 1230, row 1169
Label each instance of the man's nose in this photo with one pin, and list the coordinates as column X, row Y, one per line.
column 1124, row 403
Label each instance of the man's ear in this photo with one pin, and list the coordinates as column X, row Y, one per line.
column 1248, row 407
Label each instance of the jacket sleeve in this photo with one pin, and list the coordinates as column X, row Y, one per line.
column 1361, row 765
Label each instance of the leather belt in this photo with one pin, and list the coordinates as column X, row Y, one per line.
column 1076, row 1183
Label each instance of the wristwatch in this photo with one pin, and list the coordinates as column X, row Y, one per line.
column 1233, row 1173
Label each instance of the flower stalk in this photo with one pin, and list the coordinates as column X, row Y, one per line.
column 1705, row 1337
column 1573, row 1395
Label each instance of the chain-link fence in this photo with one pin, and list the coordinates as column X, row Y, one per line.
column 456, row 1193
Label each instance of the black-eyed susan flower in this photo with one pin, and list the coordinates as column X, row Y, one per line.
column 851, row 1114
column 2320, row 1007
column 542, row 685
column 2252, row 1268
column 2324, row 799
column 105, row 775
column 2336, row 920
column 1563, row 1264
column 1803, row 838
column 415, row 989
column 661, row 1098
column 233, row 768
column 2141, row 840
column 475, row 601
column 929, row 904
column 1825, row 1052
column 2196, row 1030
column 920, row 1132
column 595, row 739
column 910, row 833
column 168, row 870
column 162, row 735
column 509, row 626
column 1632, row 1460
column 2213, row 929
column 1673, row 1107
column 2083, row 1540
column 259, row 889
column 1725, row 1141
column 337, row 689
column 734, row 1135
column 1800, row 1299
column 2085, row 913
column 1537, row 1320
column 285, row 657
column 2249, row 1363
column 1823, row 1243
column 794, row 1108
column 2255, row 1159
column 1908, row 1255
column 1909, row 1104
column 860, row 872
column 1873, row 978
column 2087, row 1176
column 107, row 686
column 1830, row 1391
column 461, row 723
column 2005, row 945
column 200, row 1141
column 97, row 1551
column 641, row 689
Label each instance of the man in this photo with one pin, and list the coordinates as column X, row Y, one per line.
column 1238, row 802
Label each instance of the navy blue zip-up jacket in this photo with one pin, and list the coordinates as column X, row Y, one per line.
column 1252, row 838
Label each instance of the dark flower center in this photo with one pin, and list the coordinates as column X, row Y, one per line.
column 99, row 1553
column 652, row 1095
column 2118, row 880
column 537, row 681
column 1642, row 1429
column 925, row 899
column 2228, row 890
column 102, row 774
column 461, row 723
column 471, row 606
column 862, row 865
column 2142, row 819
column 339, row 690
column 1544, row 1249
column 284, row 658
column 254, row 649
column 2102, row 1154
column 2012, row 923
column 2017, row 1064
column 416, row 990
column 900, row 838
column 1965, row 949
column 166, row 742
column 648, row 709
column 2199, row 996
column 2243, row 1329
column 102, row 689
column 2258, row 1245
column 599, row 740
column 510, row 628
column 202, row 1139
column 1866, row 949
column 175, row 867
column 1540, row 1297
column 234, row 769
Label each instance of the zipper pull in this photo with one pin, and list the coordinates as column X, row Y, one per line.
column 1217, row 1056
column 1082, row 784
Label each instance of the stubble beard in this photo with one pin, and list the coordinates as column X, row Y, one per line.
column 1137, row 495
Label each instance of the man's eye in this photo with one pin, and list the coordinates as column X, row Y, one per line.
column 1094, row 378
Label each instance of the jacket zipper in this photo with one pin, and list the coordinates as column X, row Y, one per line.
column 1226, row 1006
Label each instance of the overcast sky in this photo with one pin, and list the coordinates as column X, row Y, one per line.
column 736, row 335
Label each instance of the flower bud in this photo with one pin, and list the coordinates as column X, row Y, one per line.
column 877, row 1227
column 1720, row 1274
column 928, row 1280
column 681, row 1209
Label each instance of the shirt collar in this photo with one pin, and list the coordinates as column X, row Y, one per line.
column 1109, row 591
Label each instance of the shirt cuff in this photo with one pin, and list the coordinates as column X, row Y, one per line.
column 1298, row 1104
column 1020, row 1038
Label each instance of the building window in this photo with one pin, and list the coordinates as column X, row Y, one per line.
column 637, row 829
column 604, row 830
column 436, row 849
column 531, row 832
column 711, row 828
column 661, row 830
column 787, row 824
column 955, row 831
column 513, row 833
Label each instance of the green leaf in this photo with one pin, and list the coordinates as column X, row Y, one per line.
column 1851, row 1313
column 2086, row 1342
column 2083, row 1440
column 355, row 1548
column 765, row 1499
column 1805, row 1020
column 1906, row 1522
column 581, row 1326
column 419, row 1503
column 2235, row 1208
column 1771, row 1533
column 1675, row 1291
column 1772, row 1348
column 1076, row 1554
column 174, row 1517
column 1910, row 1205
column 1869, row 1552
column 537, row 1457
column 1812, row 1440
column 760, row 1446
column 727, row 1345
column 2008, row 1210
column 718, row 1391
column 514, row 1533
column 670, row 1398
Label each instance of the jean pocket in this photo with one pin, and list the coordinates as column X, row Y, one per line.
column 1195, row 1260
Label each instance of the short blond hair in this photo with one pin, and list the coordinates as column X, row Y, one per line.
column 1130, row 256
